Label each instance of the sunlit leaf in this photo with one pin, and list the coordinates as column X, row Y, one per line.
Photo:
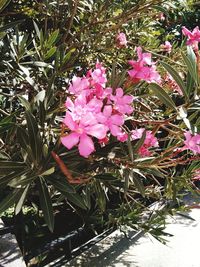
column 46, row 204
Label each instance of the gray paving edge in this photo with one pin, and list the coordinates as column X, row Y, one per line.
column 10, row 254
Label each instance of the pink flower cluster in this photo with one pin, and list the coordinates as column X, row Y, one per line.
column 121, row 40
column 94, row 111
column 143, row 68
column 150, row 141
column 192, row 142
column 193, row 37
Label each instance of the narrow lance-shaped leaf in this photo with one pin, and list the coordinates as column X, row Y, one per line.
column 24, row 102
column 61, row 184
column 34, row 137
column 162, row 95
column 190, row 61
column 4, row 180
column 21, row 200
column 176, row 77
column 138, row 183
column 10, row 200
column 52, row 38
column 46, row 204
column 76, row 199
column 140, row 142
column 3, row 4
column 10, row 166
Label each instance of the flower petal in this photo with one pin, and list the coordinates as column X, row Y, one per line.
column 68, row 121
column 70, row 140
column 86, row 146
column 99, row 131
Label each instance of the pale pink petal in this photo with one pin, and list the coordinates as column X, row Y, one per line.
column 115, row 130
column 99, row 130
column 117, row 119
column 119, row 92
column 128, row 99
column 107, row 111
column 70, row 140
column 86, row 146
column 69, row 122
column 88, row 119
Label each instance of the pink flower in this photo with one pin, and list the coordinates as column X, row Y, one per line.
column 81, row 119
column 97, row 76
column 192, row 142
column 122, row 103
column 193, row 37
column 78, row 85
column 161, row 16
column 121, row 40
column 167, row 47
column 143, row 68
column 112, row 121
column 150, row 141
column 93, row 110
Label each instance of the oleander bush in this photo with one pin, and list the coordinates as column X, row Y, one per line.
column 98, row 113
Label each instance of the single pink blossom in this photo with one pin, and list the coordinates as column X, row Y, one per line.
column 192, row 142
column 81, row 119
column 121, row 40
column 193, row 37
column 122, row 103
column 167, row 47
column 143, row 68
column 78, row 85
column 161, row 16
column 150, row 141
column 97, row 76
column 110, row 120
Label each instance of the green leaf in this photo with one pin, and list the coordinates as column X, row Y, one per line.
column 36, row 29
column 105, row 177
column 162, row 95
column 34, row 137
column 52, row 38
column 10, row 200
column 46, row 204
column 139, row 143
column 22, row 137
column 11, row 25
column 76, row 199
column 161, row 9
column 50, row 53
column 4, row 180
column 190, row 83
column 4, row 127
column 24, row 102
column 176, row 77
column 10, row 166
column 48, row 172
column 21, row 201
column 138, row 183
column 130, row 148
column 190, row 61
column 23, row 180
column 3, row 4
column 61, row 184
column 68, row 56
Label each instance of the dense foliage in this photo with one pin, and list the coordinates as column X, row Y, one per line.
column 48, row 47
